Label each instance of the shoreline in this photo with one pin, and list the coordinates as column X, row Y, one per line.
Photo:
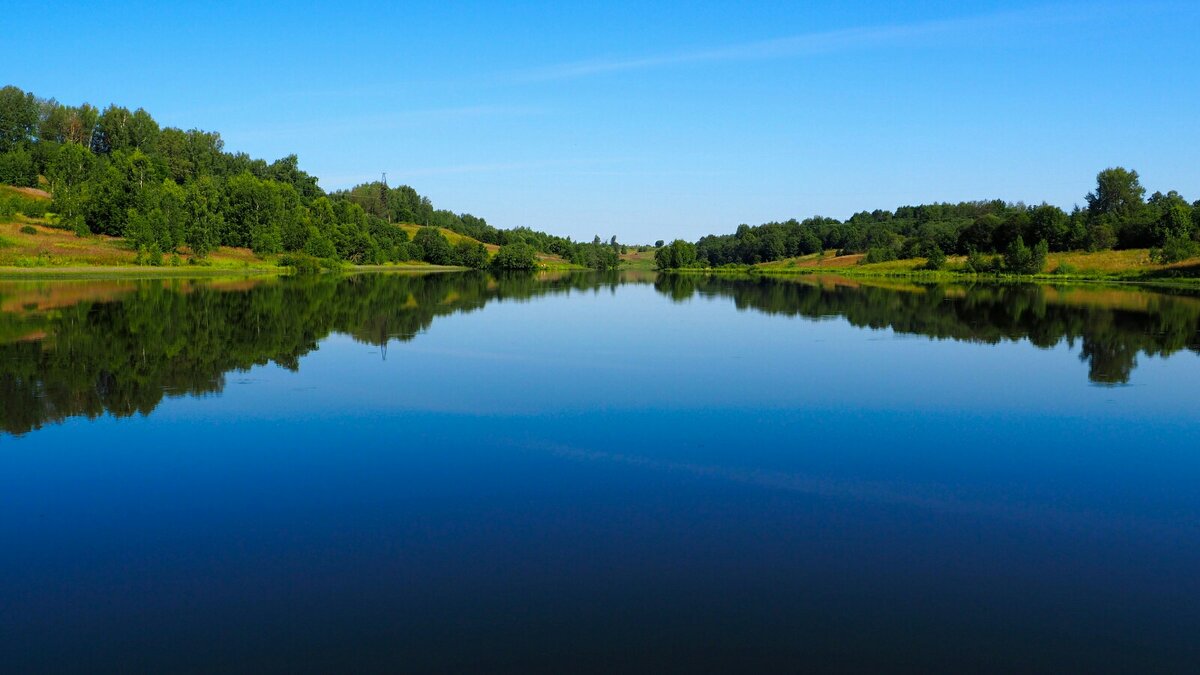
column 189, row 271
column 103, row 272
column 949, row 276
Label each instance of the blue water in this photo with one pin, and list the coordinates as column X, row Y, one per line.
column 614, row 475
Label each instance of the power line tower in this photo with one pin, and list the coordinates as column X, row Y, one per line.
column 383, row 198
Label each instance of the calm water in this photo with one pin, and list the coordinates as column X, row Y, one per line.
column 591, row 473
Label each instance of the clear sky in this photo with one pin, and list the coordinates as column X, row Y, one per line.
column 653, row 120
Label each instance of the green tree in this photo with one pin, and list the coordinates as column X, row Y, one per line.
column 1052, row 224
column 18, row 117
column 202, row 210
column 1174, row 218
column 17, row 167
column 318, row 245
column 112, row 130
column 935, row 258
column 70, row 167
column 518, row 256
column 254, row 210
column 1175, row 249
column 470, row 254
column 978, row 235
column 676, row 255
column 435, row 247
column 1020, row 259
column 1118, row 193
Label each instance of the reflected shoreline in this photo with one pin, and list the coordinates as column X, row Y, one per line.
column 89, row 348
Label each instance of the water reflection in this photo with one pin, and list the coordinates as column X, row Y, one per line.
column 1112, row 325
column 90, row 348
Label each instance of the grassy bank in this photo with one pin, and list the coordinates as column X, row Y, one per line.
column 29, row 243
column 1125, row 266
column 32, row 247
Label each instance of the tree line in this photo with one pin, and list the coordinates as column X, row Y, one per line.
column 118, row 172
column 1117, row 215
column 404, row 204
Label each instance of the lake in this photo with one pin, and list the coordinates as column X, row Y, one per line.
column 597, row 473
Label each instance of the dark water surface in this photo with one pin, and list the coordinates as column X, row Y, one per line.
column 589, row 473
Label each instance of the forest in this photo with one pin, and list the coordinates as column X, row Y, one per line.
column 1117, row 215
column 118, row 172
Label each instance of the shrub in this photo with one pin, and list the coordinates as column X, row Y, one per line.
column 470, row 254
column 154, row 256
column 17, row 168
column 1020, row 259
column 878, row 254
column 301, row 263
column 318, row 245
column 34, row 208
column 408, row 251
column 149, row 255
column 13, row 204
column 28, row 229
column 977, row 262
column 1174, row 249
column 515, row 257
column 935, row 258
column 434, row 246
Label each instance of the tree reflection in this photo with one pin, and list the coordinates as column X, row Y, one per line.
column 1114, row 326
column 93, row 348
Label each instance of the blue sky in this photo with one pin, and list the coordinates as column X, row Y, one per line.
column 654, row 120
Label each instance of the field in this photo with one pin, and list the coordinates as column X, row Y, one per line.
column 638, row 260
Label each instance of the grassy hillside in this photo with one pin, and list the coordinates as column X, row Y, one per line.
column 35, row 243
column 26, row 192
column 638, row 260
column 29, row 242
column 548, row 260
column 451, row 236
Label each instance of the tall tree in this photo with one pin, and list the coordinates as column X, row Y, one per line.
column 18, row 117
column 1118, row 193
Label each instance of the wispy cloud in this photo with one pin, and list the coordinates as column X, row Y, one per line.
column 800, row 45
